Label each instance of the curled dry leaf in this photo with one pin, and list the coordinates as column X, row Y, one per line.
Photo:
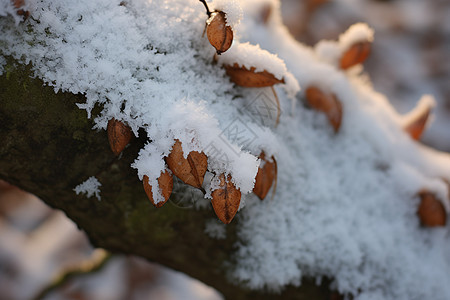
column 431, row 211
column 220, row 35
column 249, row 78
column 226, row 199
column 416, row 125
column 265, row 176
column 119, row 135
column 356, row 54
column 165, row 182
column 326, row 103
column 190, row 170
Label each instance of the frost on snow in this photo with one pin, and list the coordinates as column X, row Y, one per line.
column 90, row 187
column 345, row 205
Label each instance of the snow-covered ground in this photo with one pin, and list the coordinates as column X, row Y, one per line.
column 345, row 206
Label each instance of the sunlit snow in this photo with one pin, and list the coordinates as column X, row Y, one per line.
column 345, row 205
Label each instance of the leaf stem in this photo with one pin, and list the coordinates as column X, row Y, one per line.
column 208, row 12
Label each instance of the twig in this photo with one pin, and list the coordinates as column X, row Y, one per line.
column 208, row 12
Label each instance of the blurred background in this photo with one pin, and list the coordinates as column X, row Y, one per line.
column 44, row 255
column 410, row 53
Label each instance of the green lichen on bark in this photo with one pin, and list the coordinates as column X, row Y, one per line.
column 48, row 147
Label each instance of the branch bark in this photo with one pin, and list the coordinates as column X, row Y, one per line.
column 48, row 147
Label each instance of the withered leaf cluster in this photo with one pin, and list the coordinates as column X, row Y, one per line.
column 431, row 210
column 220, row 36
column 190, row 170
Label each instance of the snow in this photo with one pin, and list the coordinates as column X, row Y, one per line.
column 215, row 229
column 359, row 32
column 328, row 51
column 7, row 8
column 332, row 51
column 231, row 8
column 427, row 102
column 90, row 187
column 409, row 56
column 345, row 205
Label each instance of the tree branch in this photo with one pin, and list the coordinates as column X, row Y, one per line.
column 48, row 147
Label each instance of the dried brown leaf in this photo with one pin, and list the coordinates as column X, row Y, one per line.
column 356, row 54
column 326, row 103
column 416, row 126
column 265, row 176
column 119, row 135
column 165, row 182
column 249, row 78
column 226, row 199
column 431, row 211
column 190, row 170
column 220, row 35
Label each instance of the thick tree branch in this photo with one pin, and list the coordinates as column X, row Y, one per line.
column 48, row 147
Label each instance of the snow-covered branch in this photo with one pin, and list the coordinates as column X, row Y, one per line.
column 216, row 114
